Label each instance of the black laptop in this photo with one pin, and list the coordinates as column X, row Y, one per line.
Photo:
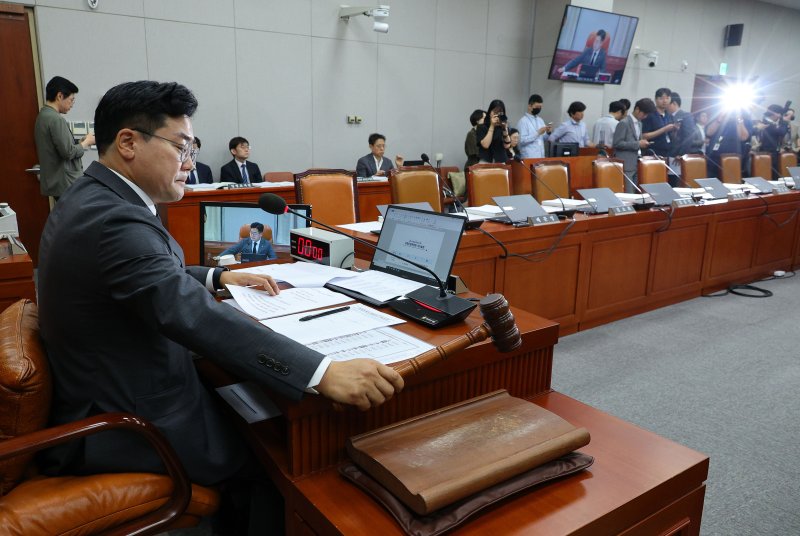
column 588, row 71
column 763, row 186
column 600, row 199
column 517, row 208
column 714, row 188
column 661, row 192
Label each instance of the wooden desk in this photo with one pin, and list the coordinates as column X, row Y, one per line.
column 182, row 218
column 16, row 279
column 606, row 268
column 639, row 483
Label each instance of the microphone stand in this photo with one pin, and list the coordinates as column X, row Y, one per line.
column 638, row 206
column 453, row 307
column 564, row 212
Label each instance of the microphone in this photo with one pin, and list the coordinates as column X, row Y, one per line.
column 453, row 307
column 447, row 191
column 638, row 206
column 564, row 210
column 672, row 171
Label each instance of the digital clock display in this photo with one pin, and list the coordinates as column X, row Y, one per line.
column 310, row 249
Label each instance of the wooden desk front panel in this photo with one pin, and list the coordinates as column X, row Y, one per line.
column 639, row 482
column 370, row 195
column 776, row 236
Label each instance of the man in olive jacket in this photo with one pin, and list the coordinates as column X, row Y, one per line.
column 59, row 155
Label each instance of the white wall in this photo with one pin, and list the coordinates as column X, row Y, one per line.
column 286, row 73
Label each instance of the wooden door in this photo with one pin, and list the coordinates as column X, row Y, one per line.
column 19, row 106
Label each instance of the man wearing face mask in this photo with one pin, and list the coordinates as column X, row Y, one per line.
column 532, row 130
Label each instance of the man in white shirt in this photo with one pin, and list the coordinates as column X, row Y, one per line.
column 603, row 131
column 532, row 130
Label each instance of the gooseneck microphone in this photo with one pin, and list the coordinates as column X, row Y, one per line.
column 564, row 210
column 444, row 303
column 683, row 182
column 641, row 205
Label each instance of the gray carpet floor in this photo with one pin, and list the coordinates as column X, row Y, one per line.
column 719, row 375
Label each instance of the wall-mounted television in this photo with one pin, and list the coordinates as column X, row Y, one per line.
column 592, row 46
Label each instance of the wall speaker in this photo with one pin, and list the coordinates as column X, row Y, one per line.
column 733, row 35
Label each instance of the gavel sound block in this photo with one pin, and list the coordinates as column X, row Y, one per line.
column 499, row 324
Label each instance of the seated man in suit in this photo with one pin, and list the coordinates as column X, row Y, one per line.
column 201, row 172
column 253, row 248
column 239, row 169
column 628, row 141
column 374, row 164
column 594, row 56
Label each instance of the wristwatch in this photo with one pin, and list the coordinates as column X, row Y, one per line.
column 217, row 274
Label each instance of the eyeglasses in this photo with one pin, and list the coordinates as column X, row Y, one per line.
column 186, row 150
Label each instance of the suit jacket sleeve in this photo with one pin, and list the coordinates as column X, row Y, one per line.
column 255, row 173
column 62, row 140
column 602, row 58
column 362, row 167
column 236, row 248
column 144, row 274
column 625, row 137
column 270, row 251
column 228, row 173
column 581, row 58
column 204, row 173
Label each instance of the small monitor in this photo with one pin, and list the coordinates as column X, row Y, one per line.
column 220, row 224
column 564, row 149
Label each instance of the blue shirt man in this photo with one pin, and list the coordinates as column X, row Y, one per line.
column 573, row 130
column 532, row 130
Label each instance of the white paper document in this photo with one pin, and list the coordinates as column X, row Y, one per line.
column 301, row 274
column 488, row 211
column 260, row 305
column 386, row 345
column 355, row 320
column 249, row 401
column 636, row 198
column 378, row 285
column 362, row 227
column 569, row 203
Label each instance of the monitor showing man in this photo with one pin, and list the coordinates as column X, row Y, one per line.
column 253, row 248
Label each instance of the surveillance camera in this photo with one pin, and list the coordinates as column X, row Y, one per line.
column 380, row 27
column 651, row 55
column 653, row 62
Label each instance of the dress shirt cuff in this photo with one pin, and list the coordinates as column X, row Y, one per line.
column 317, row 377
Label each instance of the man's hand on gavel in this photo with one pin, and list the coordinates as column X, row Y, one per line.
column 363, row 383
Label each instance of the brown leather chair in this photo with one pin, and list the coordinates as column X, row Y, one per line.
column 118, row 503
column 730, row 168
column 608, row 173
column 415, row 184
column 693, row 166
column 332, row 194
column 787, row 159
column 761, row 165
column 278, row 176
column 651, row 169
column 555, row 174
column 485, row 181
column 244, row 231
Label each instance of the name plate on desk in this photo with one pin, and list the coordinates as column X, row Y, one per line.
column 780, row 189
column 736, row 195
column 619, row 211
column 542, row 220
column 683, row 202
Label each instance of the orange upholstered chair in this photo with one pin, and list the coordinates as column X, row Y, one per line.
column 761, row 165
column 693, row 166
column 651, row 169
column 415, row 184
column 555, row 174
column 608, row 173
column 787, row 159
column 278, row 176
column 485, row 181
column 730, row 168
column 332, row 194
column 118, row 503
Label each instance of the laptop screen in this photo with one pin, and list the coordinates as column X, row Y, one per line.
column 714, row 188
column 422, row 205
column 519, row 208
column 661, row 192
column 600, row 199
column 427, row 238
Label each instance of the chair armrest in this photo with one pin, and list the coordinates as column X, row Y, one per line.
column 49, row 437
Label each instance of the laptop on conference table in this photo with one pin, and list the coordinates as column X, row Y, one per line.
column 424, row 205
column 425, row 237
column 714, row 188
column 794, row 173
column 661, row 192
column 763, row 186
column 600, row 199
column 517, row 208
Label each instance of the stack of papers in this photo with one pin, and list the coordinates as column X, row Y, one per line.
column 635, row 198
column 485, row 211
column 362, row 227
column 301, row 274
column 379, row 286
column 569, row 203
column 260, row 305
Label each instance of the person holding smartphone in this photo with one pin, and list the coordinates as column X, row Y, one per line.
column 493, row 137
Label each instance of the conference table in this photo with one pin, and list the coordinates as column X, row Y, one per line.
column 601, row 268
column 640, row 483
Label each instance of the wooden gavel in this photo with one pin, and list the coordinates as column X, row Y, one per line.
column 499, row 324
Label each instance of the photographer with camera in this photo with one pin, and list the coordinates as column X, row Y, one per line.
column 728, row 132
column 493, row 136
column 771, row 131
column 573, row 130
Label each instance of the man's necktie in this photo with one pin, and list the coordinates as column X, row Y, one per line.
column 244, row 173
column 594, row 58
column 192, row 177
column 255, row 248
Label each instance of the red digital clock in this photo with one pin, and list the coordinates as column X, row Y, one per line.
column 321, row 246
column 311, row 249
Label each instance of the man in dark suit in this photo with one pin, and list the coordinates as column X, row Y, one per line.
column 255, row 244
column 594, row 56
column 201, row 173
column 628, row 141
column 121, row 316
column 374, row 164
column 240, row 169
